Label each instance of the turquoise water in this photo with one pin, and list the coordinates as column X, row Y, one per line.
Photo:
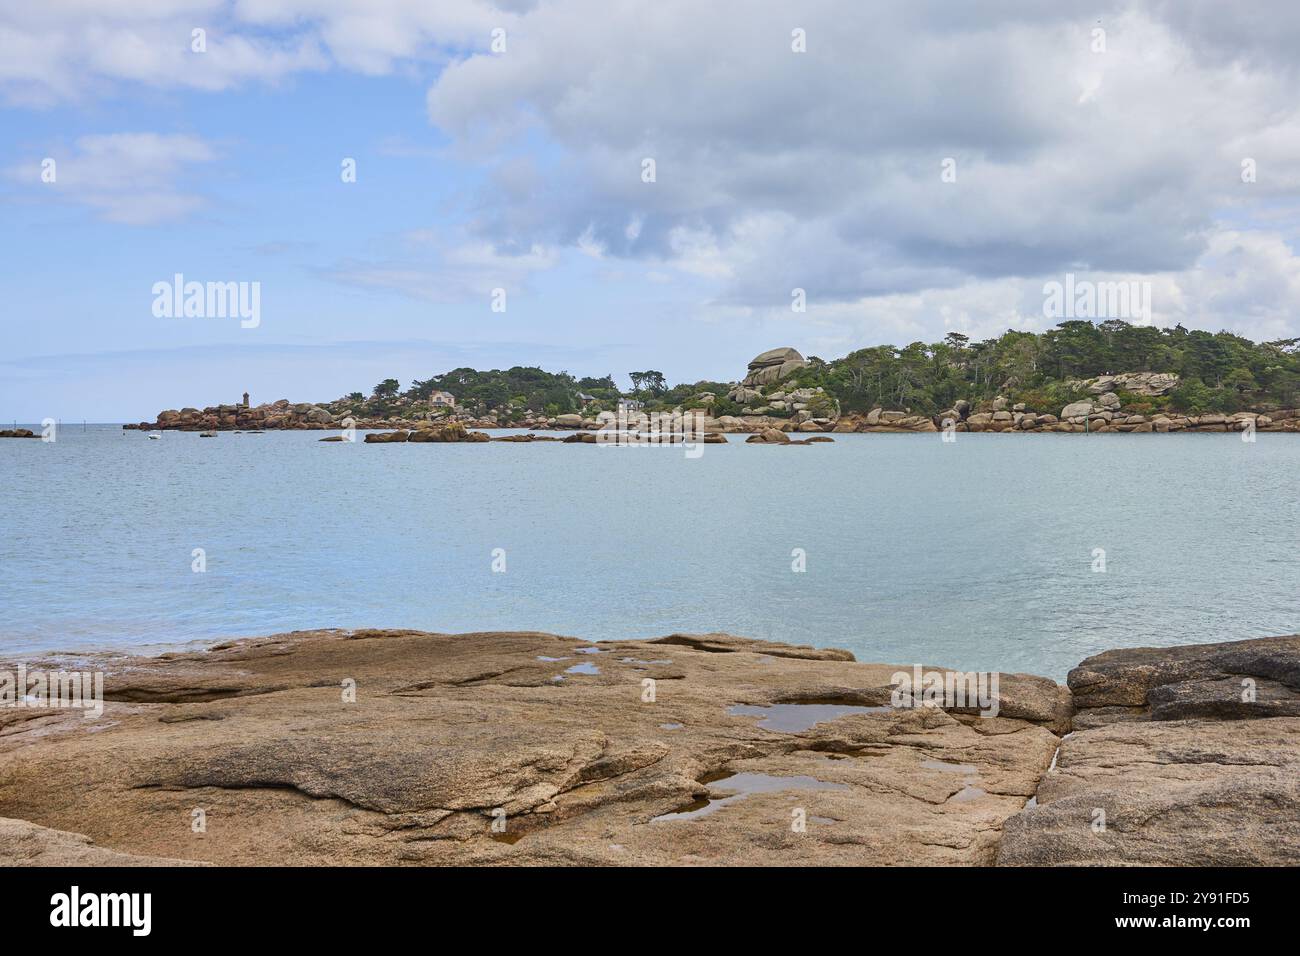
column 976, row 554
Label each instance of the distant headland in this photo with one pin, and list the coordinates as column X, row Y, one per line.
column 1077, row 377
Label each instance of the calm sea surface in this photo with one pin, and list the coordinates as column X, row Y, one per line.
column 977, row 554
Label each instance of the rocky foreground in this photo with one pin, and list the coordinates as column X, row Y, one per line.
column 403, row 747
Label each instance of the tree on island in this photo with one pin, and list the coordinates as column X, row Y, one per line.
column 598, row 385
column 648, row 383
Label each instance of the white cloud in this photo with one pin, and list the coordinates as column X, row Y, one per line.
column 822, row 170
column 130, row 178
column 818, row 170
column 436, row 269
column 51, row 53
column 1248, row 283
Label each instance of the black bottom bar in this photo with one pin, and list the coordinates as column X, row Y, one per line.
column 212, row 905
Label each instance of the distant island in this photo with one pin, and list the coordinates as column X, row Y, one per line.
column 1078, row 376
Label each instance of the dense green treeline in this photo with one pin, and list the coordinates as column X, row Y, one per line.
column 522, row 388
column 1219, row 371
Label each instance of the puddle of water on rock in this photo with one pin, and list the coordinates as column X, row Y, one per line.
column 823, row 820
column 795, row 718
column 633, row 660
column 587, row 668
column 510, row 838
column 588, row 650
column 551, row 659
column 969, row 791
column 739, row 786
column 671, row 726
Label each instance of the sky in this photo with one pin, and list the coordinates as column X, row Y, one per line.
column 914, row 167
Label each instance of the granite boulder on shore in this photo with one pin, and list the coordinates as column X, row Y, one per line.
column 1180, row 756
column 405, row 747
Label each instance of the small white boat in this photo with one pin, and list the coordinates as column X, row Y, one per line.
column 155, row 435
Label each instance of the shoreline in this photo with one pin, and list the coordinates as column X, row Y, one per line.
column 1285, row 427
column 447, row 734
column 879, row 421
column 945, row 387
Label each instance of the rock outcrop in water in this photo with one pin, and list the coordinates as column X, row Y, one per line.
column 774, row 436
column 527, row 748
column 1107, row 416
column 430, row 432
column 281, row 414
